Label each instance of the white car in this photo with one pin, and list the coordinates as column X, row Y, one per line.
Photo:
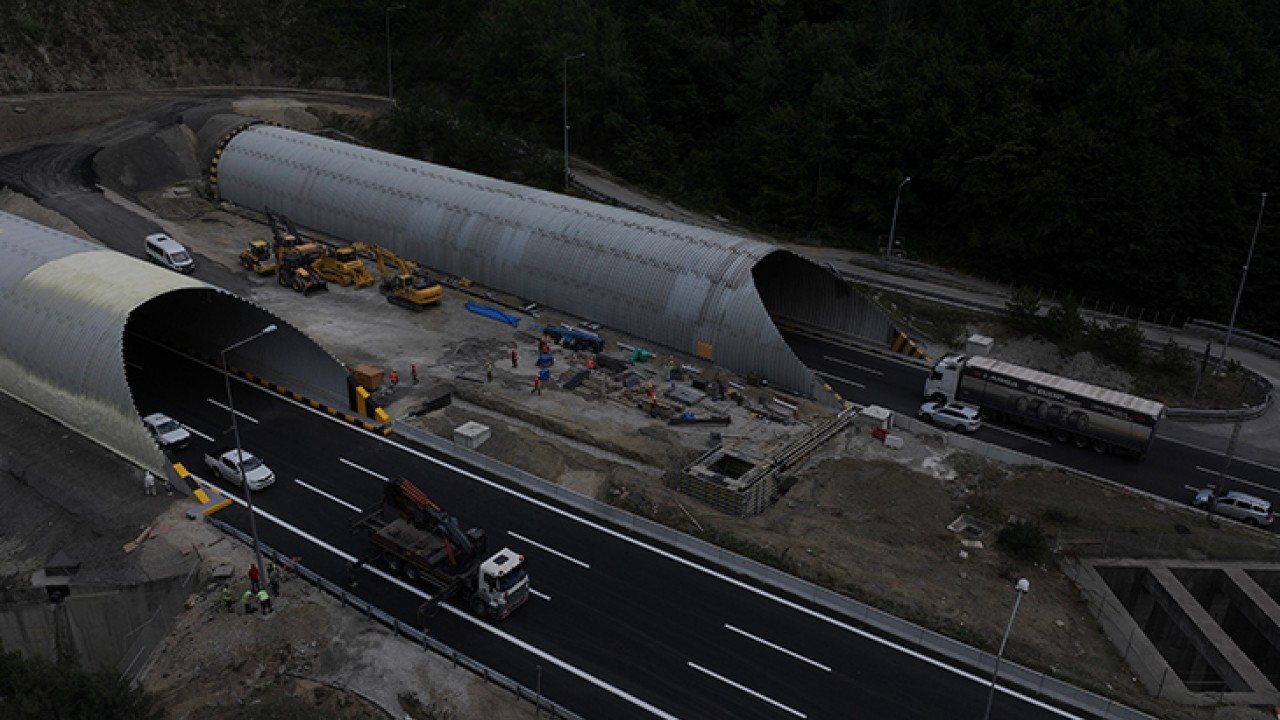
column 168, row 432
column 256, row 473
column 951, row 416
column 1249, row 509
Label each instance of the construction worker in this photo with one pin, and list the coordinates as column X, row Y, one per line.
column 488, row 371
column 253, row 578
column 273, row 578
column 247, row 601
column 591, row 363
column 543, row 347
column 395, row 378
column 537, row 385
column 413, row 369
column 149, row 483
column 264, row 600
column 515, row 358
column 228, row 599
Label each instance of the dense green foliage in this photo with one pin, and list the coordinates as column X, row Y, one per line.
column 1115, row 149
column 40, row 689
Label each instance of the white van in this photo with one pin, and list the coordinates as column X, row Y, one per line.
column 164, row 250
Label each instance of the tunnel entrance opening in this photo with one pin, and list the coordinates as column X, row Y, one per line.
column 803, row 297
column 165, row 334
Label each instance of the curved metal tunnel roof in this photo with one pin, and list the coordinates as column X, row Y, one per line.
column 708, row 293
column 70, row 311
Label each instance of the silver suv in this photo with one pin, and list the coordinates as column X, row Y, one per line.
column 951, row 416
column 1245, row 508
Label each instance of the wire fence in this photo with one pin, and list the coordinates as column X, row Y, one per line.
column 540, row 702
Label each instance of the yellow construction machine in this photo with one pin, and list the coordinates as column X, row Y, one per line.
column 403, row 282
column 294, row 268
column 343, row 266
column 259, row 258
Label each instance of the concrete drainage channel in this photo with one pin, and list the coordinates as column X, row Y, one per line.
column 1194, row 632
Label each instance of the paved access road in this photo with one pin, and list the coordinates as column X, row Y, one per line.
column 1168, row 469
column 618, row 627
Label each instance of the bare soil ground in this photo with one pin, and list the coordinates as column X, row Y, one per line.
column 861, row 518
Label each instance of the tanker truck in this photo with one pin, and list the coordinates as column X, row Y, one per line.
column 428, row 547
column 1072, row 411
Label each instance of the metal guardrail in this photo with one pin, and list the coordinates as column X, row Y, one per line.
column 977, row 661
column 541, row 702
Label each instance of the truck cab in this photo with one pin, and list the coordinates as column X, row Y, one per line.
column 503, row 586
column 944, row 380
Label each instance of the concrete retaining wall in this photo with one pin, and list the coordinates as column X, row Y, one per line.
column 113, row 629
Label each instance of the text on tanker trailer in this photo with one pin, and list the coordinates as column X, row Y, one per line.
column 1072, row 411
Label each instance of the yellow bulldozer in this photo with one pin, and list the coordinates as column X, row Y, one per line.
column 259, row 258
column 343, row 266
column 403, row 282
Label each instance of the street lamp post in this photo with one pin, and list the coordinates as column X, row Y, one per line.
column 235, row 431
column 567, row 58
column 390, row 95
column 1022, row 587
column 893, row 226
column 1231, row 326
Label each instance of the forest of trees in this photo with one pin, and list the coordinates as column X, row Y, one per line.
column 1117, row 149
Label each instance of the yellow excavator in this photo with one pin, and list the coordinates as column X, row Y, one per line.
column 343, row 266
column 403, row 282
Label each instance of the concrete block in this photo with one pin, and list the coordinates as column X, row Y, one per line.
column 978, row 345
column 471, row 435
column 876, row 416
column 893, row 441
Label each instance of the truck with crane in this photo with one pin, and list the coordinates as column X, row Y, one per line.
column 1072, row 411
column 428, row 546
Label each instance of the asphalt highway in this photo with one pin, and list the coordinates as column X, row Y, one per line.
column 1169, row 469
column 618, row 626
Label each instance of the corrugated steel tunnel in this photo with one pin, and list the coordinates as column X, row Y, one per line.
column 75, row 317
column 707, row 293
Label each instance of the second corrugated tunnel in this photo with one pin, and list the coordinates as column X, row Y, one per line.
column 717, row 296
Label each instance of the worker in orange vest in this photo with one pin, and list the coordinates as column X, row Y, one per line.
column 395, row 378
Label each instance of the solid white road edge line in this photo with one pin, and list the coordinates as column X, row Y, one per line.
column 747, row 690
column 842, row 379
column 324, row 494
column 365, row 470
column 731, row 580
column 777, row 647
column 553, row 551
column 886, row 642
column 527, row 647
column 855, row 366
column 227, row 409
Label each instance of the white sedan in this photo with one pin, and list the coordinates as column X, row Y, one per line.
column 951, row 416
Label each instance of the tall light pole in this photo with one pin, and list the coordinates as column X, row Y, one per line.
column 893, row 226
column 390, row 95
column 567, row 58
column 235, row 430
column 1022, row 587
column 1231, row 326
